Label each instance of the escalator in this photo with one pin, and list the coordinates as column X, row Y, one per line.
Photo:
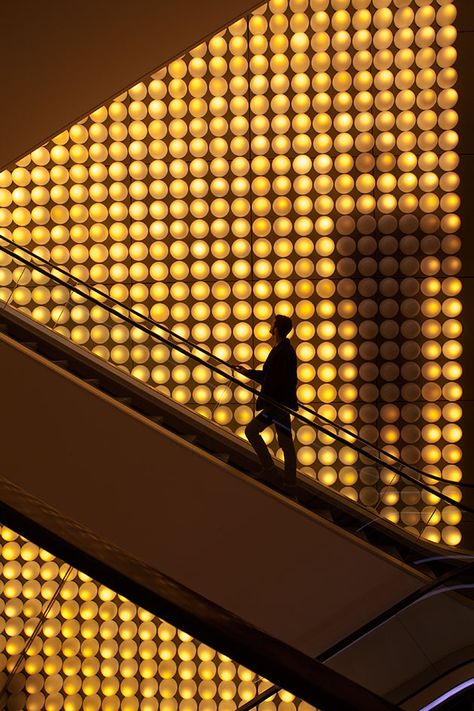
column 108, row 458
column 434, row 628
column 436, row 632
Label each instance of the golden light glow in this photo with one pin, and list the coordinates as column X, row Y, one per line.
column 303, row 161
column 97, row 650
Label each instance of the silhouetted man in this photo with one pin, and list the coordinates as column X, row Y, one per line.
column 278, row 380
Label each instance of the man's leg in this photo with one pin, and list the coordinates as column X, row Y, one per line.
column 252, row 432
column 285, row 440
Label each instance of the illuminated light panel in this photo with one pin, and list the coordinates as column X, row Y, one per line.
column 302, row 161
column 97, row 650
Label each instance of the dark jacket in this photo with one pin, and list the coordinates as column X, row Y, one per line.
column 278, row 377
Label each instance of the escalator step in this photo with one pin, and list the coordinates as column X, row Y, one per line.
column 324, row 513
column 95, row 382
column 391, row 550
column 158, row 419
column 32, row 345
column 223, row 456
column 191, row 438
column 61, row 363
column 359, row 532
column 428, row 570
column 124, row 400
column 3, row 328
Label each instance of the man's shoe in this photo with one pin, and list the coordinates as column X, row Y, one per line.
column 290, row 491
column 269, row 476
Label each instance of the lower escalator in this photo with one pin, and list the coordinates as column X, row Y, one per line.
column 434, row 630
column 70, row 642
column 436, row 633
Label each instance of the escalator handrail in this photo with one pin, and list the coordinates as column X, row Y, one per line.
column 231, row 378
column 369, row 627
column 209, row 354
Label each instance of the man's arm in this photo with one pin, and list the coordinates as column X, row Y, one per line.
column 256, row 375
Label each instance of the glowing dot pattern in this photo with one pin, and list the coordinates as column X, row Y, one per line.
column 302, row 161
column 97, row 650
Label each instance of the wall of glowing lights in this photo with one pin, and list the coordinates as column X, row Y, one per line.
column 97, row 650
column 303, row 161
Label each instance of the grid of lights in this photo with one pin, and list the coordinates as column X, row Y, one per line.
column 302, row 161
column 97, row 650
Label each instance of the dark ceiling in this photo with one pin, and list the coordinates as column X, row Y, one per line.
column 62, row 59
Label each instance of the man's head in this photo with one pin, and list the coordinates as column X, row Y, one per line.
column 281, row 326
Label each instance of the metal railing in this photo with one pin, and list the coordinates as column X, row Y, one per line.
column 332, row 431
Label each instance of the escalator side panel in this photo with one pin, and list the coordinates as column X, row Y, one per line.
column 186, row 514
